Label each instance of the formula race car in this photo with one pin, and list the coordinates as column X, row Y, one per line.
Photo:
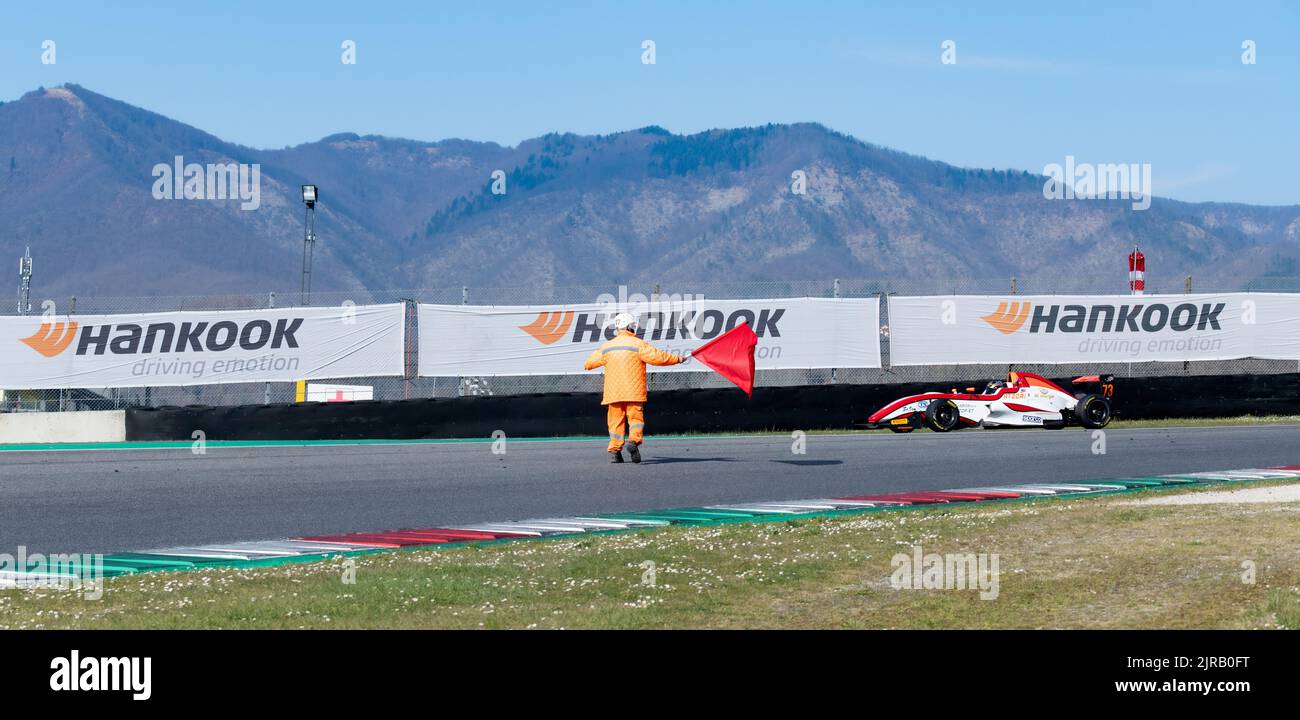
column 1022, row 400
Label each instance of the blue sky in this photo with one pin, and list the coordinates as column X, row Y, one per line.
column 1145, row 82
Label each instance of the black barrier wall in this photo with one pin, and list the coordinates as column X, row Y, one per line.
column 809, row 407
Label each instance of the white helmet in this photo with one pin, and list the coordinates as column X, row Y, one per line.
column 623, row 321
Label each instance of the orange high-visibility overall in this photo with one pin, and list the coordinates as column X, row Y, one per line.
column 624, row 359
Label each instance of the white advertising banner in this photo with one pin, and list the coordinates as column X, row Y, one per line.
column 996, row 329
column 200, row 348
column 554, row 340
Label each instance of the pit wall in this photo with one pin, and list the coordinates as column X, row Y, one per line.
column 63, row 427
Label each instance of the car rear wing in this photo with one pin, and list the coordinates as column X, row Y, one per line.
column 1103, row 385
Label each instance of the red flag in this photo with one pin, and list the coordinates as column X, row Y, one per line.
column 731, row 354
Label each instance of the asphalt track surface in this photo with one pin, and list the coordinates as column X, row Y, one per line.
column 122, row 500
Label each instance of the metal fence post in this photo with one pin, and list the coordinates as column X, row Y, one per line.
column 1187, row 288
column 266, row 394
column 460, row 380
column 835, row 293
column 63, row 392
column 409, row 368
column 882, row 332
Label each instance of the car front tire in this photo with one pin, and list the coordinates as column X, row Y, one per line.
column 942, row 415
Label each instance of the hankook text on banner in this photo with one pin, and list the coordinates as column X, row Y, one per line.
column 994, row 329
column 554, row 340
column 200, row 348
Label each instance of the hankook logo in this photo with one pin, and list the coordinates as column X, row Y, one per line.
column 52, row 338
column 163, row 337
column 1009, row 317
column 549, row 326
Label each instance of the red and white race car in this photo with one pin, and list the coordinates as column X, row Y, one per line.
column 1023, row 400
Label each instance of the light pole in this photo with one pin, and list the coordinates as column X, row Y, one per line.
column 25, row 283
column 308, row 240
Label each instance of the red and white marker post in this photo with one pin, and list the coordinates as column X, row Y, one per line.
column 1137, row 272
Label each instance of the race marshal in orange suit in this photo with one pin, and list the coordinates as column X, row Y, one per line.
column 624, row 359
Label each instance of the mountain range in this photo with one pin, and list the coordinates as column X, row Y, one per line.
column 78, row 176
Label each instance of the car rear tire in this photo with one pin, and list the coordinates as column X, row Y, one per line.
column 1093, row 411
column 942, row 415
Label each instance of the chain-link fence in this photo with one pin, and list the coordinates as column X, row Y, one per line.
column 396, row 388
